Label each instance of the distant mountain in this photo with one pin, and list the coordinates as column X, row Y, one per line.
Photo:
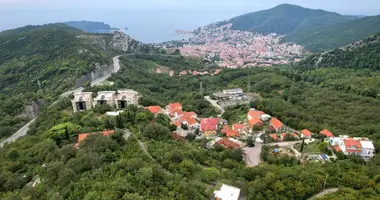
column 285, row 19
column 91, row 27
column 335, row 35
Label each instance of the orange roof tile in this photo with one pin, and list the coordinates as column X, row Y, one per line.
column 327, row 133
column 175, row 106
column 255, row 121
column 255, row 113
column 274, row 136
column 276, row 123
column 306, row 133
column 225, row 129
column 352, row 144
column 154, row 109
column 227, row 143
column 237, row 126
column 191, row 121
column 83, row 136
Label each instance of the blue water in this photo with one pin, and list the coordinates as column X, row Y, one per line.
column 148, row 26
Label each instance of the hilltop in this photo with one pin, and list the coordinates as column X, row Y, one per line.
column 91, row 27
column 335, row 35
column 285, row 19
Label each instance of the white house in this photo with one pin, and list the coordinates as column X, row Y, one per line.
column 353, row 146
column 227, row 192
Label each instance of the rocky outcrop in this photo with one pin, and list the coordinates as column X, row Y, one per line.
column 123, row 42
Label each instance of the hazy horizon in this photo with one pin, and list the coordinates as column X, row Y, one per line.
column 151, row 21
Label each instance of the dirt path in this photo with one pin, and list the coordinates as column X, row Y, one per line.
column 324, row 192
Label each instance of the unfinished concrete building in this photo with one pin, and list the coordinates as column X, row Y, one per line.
column 126, row 97
column 105, row 97
column 82, row 101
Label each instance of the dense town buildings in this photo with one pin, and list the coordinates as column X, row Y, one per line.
column 237, row 49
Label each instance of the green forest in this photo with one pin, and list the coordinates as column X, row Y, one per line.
column 140, row 160
column 319, row 39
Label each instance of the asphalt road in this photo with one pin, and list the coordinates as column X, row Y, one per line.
column 252, row 157
column 24, row 130
column 215, row 104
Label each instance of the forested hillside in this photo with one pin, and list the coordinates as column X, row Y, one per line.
column 285, row 19
column 354, row 68
column 332, row 36
column 45, row 164
column 39, row 62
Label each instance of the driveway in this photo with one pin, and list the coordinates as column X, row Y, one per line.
column 252, row 157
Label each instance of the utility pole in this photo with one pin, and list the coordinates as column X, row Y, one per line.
column 324, row 184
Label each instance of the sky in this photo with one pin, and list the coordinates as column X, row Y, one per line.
column 364, row 7
column 157, row 20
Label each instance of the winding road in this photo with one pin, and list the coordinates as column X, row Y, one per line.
column 24, row 130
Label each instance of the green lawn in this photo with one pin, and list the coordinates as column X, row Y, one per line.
column 311, row 148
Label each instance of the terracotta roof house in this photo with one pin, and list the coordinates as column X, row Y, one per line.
column 254, row 114
column 174, row 106
column 209, row 126
column 326, row 133
column 277, row 125
column 238, row 127
column 274, row 137
column 154, row 109
column 255, row 122
column 306, row 133
column 83, row 136
column 176, row 123
column 190, row 122
column 228, row 143
column 356, row 146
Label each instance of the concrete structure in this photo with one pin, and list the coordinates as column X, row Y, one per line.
column 353, row 146
column 126, row 97
column 82, row 101
column 120, row 99
column 105, row 97
column 235, row 94
column 227, row 192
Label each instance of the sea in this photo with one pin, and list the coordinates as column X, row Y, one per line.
column 145, row 25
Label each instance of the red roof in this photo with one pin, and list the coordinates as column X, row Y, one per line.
column 274, row 136
column 209, row 124
column 327, row 133
column 306, row 133
column 175, row 106
column 255, row 121
column 191, row 121
column 255, row 113
column 237, row 126
column 352, row 144
column 227, row 143
column 225, row 129
column 294, row 135
column 276, row 123
column 83, row 136
column 154, row 109
column 233, row 133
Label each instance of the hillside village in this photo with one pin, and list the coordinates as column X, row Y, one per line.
column 257, row 128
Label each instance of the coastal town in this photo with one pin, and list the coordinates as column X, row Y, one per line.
column 237, row 49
